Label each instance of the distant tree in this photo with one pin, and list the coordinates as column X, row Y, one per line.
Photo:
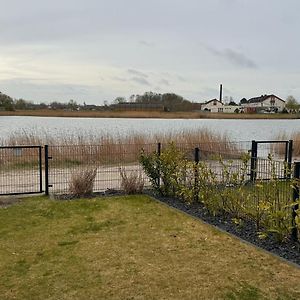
column 42, row 105
column 170, row 101
column 6, row 102
column 291, row 103
column 24, row 104
column 119, row 100
column 72, row 105
column 148, row 97
column 57, row 105
column 232, row 103
column 132, row 98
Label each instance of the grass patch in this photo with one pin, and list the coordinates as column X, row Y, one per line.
column 129, row 248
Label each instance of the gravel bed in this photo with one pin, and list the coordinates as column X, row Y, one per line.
column 288, row 250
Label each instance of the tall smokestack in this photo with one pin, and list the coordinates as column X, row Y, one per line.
column 221, row 92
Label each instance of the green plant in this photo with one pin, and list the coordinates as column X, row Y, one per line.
column 163, row 170
column 223, row 187
column 151, row 166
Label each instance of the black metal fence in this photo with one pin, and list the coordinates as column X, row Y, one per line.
column 261, row 171
column 49, row 169
column 64, row 162
column 21, row 170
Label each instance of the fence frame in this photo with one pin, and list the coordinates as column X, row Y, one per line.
column 288, row 157
column 45, row 176
column 295, row 207
column 40, row 169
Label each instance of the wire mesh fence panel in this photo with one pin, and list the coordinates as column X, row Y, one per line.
column 296, row 149
column 279, row 150
column 267, row 169
column 108, row 161
column 214, row 150
column 21, row 170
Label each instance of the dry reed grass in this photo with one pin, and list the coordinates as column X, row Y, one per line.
column 131, row 182
column 82, row 182
column 145, row 114
column 108, row 149
column 279, row 149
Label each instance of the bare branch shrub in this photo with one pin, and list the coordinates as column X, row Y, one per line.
column 82, row 182
column 131, row 183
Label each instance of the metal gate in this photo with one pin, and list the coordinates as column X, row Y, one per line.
column 281, row 154
column 21, row 170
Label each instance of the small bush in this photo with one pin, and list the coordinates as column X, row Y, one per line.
column 131, row 183
column 223, row 187
column 165, row 168
column 82, row 182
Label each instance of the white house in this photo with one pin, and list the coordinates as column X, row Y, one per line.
column 232, row 109
column 264, row 102
column 217, row 106
column 213, row 105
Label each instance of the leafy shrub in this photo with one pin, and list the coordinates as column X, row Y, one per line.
column 223, row 187
column 131, row 183
column 151, row 166
column 82, row 182
column 163, row 168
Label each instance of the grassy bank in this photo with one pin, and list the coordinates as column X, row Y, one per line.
column 129, row 248
column 144, row 114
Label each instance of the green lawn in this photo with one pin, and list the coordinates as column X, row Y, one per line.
column 129, row 248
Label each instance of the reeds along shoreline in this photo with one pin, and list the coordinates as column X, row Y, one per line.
column 145, row 114
column 108, row 149
column 280, row 149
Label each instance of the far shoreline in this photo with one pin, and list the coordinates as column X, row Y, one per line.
column 147, row 115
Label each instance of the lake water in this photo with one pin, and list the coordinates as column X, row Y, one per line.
column 238, row 130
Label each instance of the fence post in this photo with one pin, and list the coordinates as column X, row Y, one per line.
column 46, row 170
column 158, row 153
column 295, row 198
column 196, row 184
column 253, row 161
column 290, row 158
column 41, row 169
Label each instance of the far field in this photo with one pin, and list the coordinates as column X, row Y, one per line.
column 144, row 114
column 129, row 248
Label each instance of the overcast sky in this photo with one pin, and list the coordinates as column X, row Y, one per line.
column 96, row 50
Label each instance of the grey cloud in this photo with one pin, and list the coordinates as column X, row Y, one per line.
column 46, row 91
column 117, row 78
column 137, row 73
column 181, row 78
column 173, row 76
column 164, row 82
column 140, row 80
column 234, row 57
column 146, row 44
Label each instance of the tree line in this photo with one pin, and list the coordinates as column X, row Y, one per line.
column 9, row 104
column 170, row 102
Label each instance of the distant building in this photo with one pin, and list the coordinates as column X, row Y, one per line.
column 216, row 106
column 232, row 109
column 213, row 105
column 267, row 103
